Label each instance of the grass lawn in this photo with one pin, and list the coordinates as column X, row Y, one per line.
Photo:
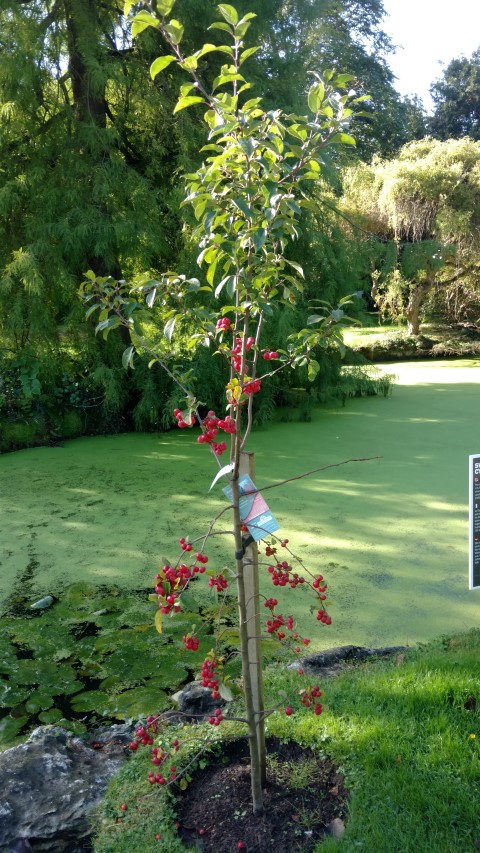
column 389, row 535
column 406, row 734
column 363, row 336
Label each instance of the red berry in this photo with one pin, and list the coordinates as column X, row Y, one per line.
column 289, row 711
column 124, row 807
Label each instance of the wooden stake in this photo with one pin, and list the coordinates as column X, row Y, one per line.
column 250, row 562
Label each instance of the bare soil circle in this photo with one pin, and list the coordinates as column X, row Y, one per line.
column 305, row 792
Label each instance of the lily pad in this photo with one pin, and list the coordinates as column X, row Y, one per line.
column 12, row 694
column 50, row 717
column 58, row 679
column 10, row 729
column 139, row 701
column 38, row 701
column 90, row 700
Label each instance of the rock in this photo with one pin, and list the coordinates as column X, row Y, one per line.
column 328, row 662
column 335, row 828
column 49, row 785
column 20, row 845
column 43, row 603
column 195, row 702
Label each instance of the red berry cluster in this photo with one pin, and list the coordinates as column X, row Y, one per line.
column 191, row 642
column 219, row 582
column 223, row 324
column 252, row 387
column 310, row 698
column 237, row 352
column 201, row 558
column 159, row 756
column 208, row 676
column 180, row 420
column 321, row 589
column 211, row 425
column 282, row 575
column 143, row 734
column 172, row 580
column 270, row 548
column 171, row 603
column 322, row 616
column 270, row 356
column 278, row 621
column 217, row 718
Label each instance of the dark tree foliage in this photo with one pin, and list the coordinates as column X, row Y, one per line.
column 456, row 97
column 91, row 160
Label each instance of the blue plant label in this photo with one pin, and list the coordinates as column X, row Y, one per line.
column 254, row 510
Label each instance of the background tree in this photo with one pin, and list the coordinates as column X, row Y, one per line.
column 89, row 165
column 424, row 207
column 456, row 98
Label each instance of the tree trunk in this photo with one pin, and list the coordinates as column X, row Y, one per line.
column 85, row 64
column 85, row 67
column 415, row 302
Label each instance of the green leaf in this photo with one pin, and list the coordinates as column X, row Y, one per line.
column 189, row 64
column 296, row 267
column 127, row 357
column 259, row 238
column 313, row 368
column 164, row 7
column 222, row 283
column 142, row 21
column 219, row 25
column 341, row 80
column 210, row 276
column 226, row 78
column 316, row 96
column 169, row 327
column 127, row 6
column 229, row 13
column 182, row 103
column 343, row 138
column 91, row 310
column 159, row 64
column 175, row 31
column 245, row 54
column 150, row 297
column 243, row 206
column 225, row 692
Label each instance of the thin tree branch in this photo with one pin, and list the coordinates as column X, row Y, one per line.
column 316, row 471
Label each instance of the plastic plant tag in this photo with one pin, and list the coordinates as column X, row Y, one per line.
column 254, row 510
column 227, row 469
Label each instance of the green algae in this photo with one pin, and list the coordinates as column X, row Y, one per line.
column 389, row 535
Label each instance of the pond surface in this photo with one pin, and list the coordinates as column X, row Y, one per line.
column 390, row 535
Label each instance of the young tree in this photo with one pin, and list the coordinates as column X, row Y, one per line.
column 247, row 197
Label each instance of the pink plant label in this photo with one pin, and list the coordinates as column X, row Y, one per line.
column 254, row 510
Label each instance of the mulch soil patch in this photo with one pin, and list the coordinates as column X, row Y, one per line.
column 304, row 794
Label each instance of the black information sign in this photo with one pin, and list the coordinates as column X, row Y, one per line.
column 474, row 537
